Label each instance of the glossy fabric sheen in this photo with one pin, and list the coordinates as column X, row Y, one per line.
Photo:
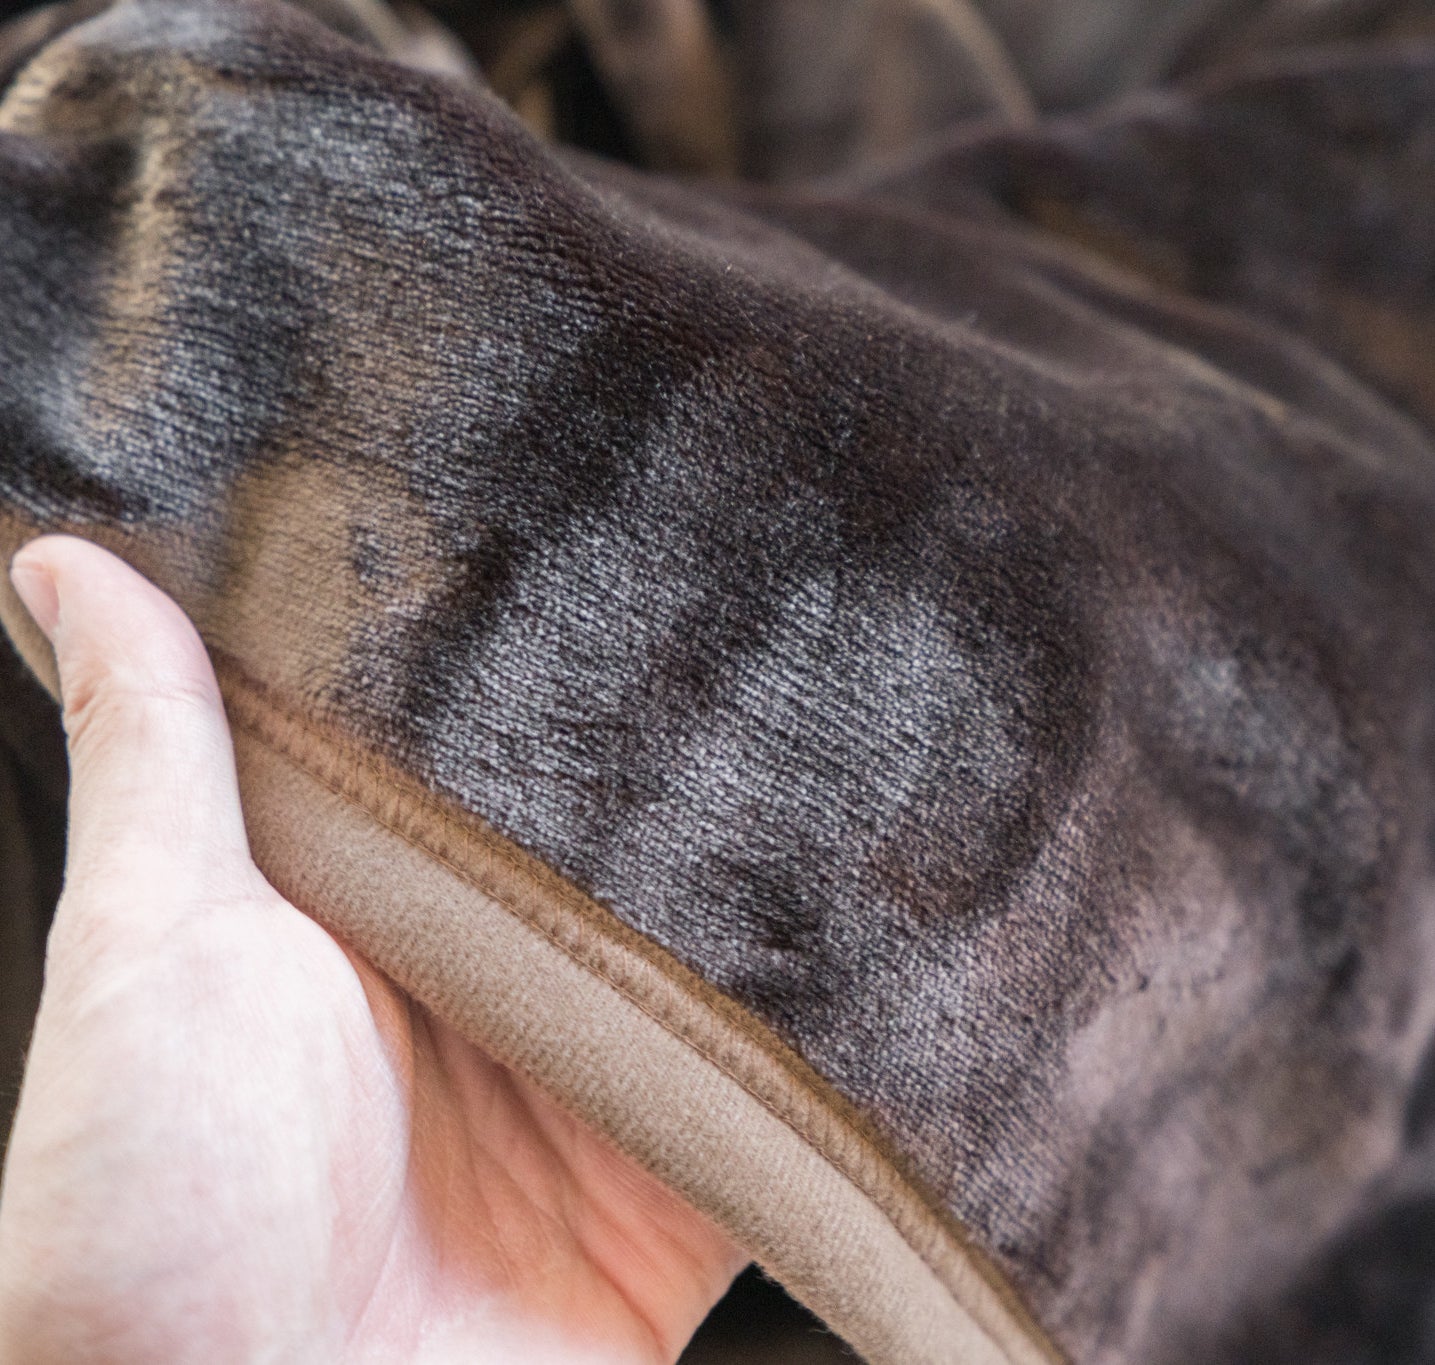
column 979, row 617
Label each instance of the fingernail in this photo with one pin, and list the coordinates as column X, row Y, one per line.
column 36, row 588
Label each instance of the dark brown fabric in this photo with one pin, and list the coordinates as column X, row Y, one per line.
column 32, row 807
column 980, row 617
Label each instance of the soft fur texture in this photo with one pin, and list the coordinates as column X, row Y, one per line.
column 980, row 617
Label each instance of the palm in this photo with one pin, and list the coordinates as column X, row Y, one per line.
column 369, row 1185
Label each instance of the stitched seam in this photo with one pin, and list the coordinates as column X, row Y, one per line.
column 572, row 951
column 863, row 1166
column 568, row 950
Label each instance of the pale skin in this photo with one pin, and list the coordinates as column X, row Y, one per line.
column 239, row 1142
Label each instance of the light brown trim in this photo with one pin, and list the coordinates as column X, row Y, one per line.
column 887, row 1273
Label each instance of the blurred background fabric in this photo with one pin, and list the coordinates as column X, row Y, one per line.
column 785, row 89
column 781, row 90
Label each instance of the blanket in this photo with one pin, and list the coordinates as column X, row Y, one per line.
column 905, row 699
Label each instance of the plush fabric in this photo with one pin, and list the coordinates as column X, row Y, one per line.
column 951, row 648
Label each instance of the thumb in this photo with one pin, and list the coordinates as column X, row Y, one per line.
column 153, row 790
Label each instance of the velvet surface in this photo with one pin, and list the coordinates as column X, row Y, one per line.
column 979, row 616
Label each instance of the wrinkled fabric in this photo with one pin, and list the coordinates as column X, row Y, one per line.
column 979, row 616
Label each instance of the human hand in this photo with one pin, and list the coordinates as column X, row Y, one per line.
column 236, row 1140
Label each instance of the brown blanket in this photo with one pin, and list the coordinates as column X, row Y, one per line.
column 906, row 700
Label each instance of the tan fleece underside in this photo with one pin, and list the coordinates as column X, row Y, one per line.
column 549, row 982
